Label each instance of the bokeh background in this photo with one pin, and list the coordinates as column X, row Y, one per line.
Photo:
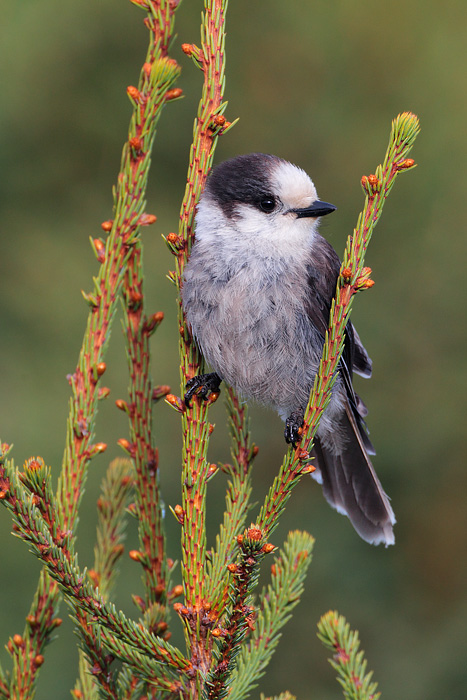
column 317, row 83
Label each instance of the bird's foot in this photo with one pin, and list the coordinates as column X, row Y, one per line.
column 206, row 386
column 293, row 428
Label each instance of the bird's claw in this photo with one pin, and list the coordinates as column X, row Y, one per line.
column 206, row 386
column 293, row 428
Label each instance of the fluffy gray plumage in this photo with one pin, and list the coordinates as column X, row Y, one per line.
column 257, row 292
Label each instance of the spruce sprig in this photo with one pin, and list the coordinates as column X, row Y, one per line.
column 348, row 660
column 277, row 601
column 353, row 278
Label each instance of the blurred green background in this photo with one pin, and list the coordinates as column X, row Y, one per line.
column 317, row 83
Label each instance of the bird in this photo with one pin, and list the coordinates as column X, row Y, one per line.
column 256, row 293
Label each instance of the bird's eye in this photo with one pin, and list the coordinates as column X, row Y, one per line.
column 267, row 204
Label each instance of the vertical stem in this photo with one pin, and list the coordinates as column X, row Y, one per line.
column 208, row 125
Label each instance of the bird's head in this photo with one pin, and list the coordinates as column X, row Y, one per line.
column 261, row 199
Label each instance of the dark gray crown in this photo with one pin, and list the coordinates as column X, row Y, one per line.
column 245, row 179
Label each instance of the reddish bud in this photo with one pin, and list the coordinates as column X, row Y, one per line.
column 100, row 368
column 180, row 513
column 125, row 445
column 98, row 448
column 240, row 539
column 147, row 67
column 107, row 225
column 154, row 321
column 405, row 164
column 136, row 555
column 139, row 602
column 38, row 660
column 175, row 402
column 173, row 94
column 254, row 533
column 99, row 247
column 303, row 454
column 176, row 591
column 121, row 405
column 133, row 509
column 147, row 219
column 18, row 640
column 232, row 568
column 213, row 468
column 159, row 391
column 267, row 548
column 309, row 469
column 133, row 93
column 103, row 392
column 212, row 397
column 117, row 550
column 136, row 143
column 188, row 49
column 34, row 464
column 217, row 632
column 175, row 242
column 346, row 273
column 219, row 120
column 94, row 576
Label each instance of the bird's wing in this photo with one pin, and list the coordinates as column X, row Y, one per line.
column 323, row 272
column 350, row 483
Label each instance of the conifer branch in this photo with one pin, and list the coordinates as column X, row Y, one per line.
column 240, row 613
column 147, row 506
column 31, row 526
column 156, row 80
column 277, row 602
column 27, row 649
column 354, row 277
column 155, row 88
column 116, row 488
column 350, row 664
column 94, row 665
column 209, row 123
column 237, row 504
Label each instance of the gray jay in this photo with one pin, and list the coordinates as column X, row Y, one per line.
column 257, row 292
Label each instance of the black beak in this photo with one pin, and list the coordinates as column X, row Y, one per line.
column 318, row 208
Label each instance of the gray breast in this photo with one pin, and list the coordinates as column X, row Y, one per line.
column 251, row 325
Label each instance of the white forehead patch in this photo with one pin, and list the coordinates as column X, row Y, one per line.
column 294, row 186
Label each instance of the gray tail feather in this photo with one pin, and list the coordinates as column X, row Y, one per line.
column 350, row 483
